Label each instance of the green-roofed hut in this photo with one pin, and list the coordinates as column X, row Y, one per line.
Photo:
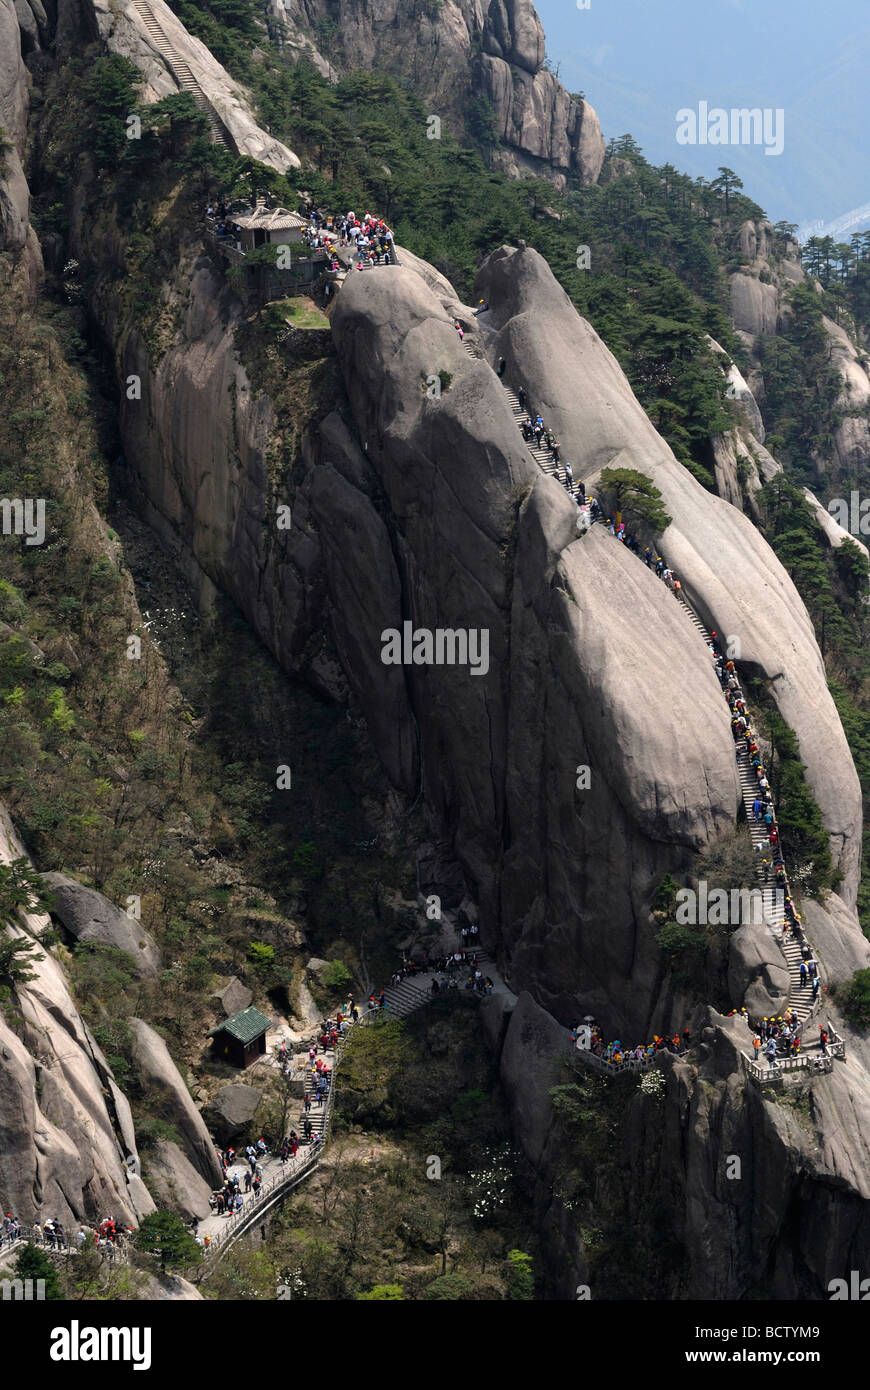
column 241, row 1038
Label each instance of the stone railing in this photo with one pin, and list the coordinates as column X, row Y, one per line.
column 804, row 1061
column 606, row 1068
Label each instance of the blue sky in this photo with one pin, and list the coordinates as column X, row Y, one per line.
column 639, row 62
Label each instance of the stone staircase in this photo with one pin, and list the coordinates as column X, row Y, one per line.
column 181, row 72
column 541, row 454
column 317, row 1115
column 279, row 1178
column 799, row 994
column 409, row 994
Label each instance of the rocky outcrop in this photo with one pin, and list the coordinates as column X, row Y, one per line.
column 754, row 306
column 835, row 533
column 231, row 1112
column 67, row 1128
column 759, row 308
column 540, row 123
column 16, row 234
column 740, row 393
column 757, row 973
column 728, row 570
column 534, row 1044
column 168, row 1095
column 174, row 1183
column 458, row 54
column 122, row 27
column 88, row 916
column 760, row 1190
column 234, row 996
column 852, row 436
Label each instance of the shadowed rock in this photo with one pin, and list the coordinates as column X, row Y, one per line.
column 89, row 916
column 232, row 1111
column 160, row 1077
column 174, row 1182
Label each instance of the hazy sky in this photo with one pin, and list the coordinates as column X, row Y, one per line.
column 639, row 62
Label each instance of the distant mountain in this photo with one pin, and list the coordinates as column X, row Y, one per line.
column 640, row 63
column 858, row 220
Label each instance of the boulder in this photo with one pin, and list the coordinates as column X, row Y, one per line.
column 316, row 967
column 757, row 972
column 89, row 916
column 174, row 1183
column 234, row 997
column 534, row 1046
column 840, row 946
column 168, row 1288
column 168, row 1096
column 231, row 1112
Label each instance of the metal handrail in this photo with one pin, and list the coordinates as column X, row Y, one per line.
column 283, row 1179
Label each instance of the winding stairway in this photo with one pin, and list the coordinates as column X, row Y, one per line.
column 800, row 997
column 180, row 70
column 278, row 1178
column 800, row 993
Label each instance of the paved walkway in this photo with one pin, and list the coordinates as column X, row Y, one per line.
column 278, row 1178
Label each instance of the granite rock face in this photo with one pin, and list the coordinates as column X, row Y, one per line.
column 89, row 916
column 459, row 53
column 16, row 233
column 175, row 1183
column 67, row 1128
column 158, row 1073
column 728, row 570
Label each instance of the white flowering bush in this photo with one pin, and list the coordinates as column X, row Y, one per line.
column 653, row 1083
column 491, row 1181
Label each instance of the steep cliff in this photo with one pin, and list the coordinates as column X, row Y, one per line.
column 736, row 580
column 16, row 233
column 769, row 267
column 727, row 1190
column 68, row 1131
column 463, row 56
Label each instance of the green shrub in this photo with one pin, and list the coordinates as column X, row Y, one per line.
column 520, row 1276
column 12, row 607
column 336, row 975
column 854, row 999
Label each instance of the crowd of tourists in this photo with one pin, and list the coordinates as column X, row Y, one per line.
column 620, row 1056
column 370, row 236
column 52, row 1235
